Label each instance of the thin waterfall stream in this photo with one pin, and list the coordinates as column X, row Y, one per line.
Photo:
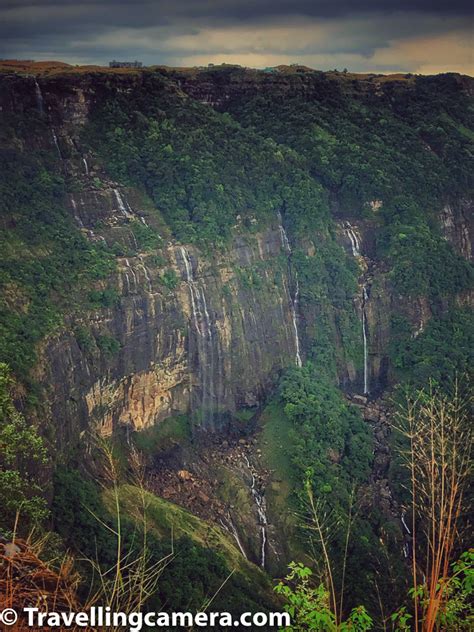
column 353, row 238
column 230, row 527
column 356, row 252
column 365, row 298
column 56, row 143
column 75, row 212
column 260, row 505
column 285, row 243
column 124, row 209
column 39, row 98
column 206, row 342
column 146, row 274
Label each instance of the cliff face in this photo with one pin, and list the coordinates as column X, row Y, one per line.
column 457, row 224
column 211, row 344
column 211, row 339
column 206, row 332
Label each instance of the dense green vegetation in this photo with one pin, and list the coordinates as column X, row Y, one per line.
column 408, row 139
column 441, row 352
column 330, row 436
column 45, row 259
column 22, row 455
column 407, row 146
column 190, row 578
column 332, row 450
column 389, row 157
column 200, row 168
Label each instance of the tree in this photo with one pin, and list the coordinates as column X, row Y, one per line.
column 22, row 453
column 437, row 429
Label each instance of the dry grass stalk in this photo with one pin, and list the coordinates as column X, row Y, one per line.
column 439, row 461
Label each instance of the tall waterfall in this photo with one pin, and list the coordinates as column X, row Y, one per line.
column 285, row 243
column 207, row 345
column 353, row 238
column 355, row 246
column 86, row 166
column 365, row 298
column 39, row 98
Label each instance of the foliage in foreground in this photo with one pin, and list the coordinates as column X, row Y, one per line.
column 22, row 455
column 309, row 604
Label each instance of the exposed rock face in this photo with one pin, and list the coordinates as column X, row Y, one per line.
column 212, row 340
column 457, row 222
column 199, row 345
column 213, row 335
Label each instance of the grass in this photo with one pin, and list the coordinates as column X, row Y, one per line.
column 169, row 522
column 275, row 442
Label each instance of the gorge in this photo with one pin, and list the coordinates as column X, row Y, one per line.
column 232, row 272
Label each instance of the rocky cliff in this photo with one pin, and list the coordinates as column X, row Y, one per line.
column 197, row 330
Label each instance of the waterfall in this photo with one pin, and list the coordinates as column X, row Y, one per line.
column 283, row 236
column 125, row 210
column 86, row 166
column 134, row 276
column 260, row 505
column 76, row 214
column 135, row 243
column 294, row 311
column 355, row 245
column 206, row 343
column 285, row 244
column 404, row 523
column 230, row 528
column 354, row 239
column 365, row 298
column 39, row 98
column 146, row 273
column 208, row 333
column 56, row 143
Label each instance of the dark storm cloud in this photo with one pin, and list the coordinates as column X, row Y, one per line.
column 238, row 30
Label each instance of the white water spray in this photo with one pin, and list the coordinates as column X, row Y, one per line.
column 86, row 166
column 294, row 311
column 133, row 275
column 230, row 528
column 354, row 239
column 124, row 209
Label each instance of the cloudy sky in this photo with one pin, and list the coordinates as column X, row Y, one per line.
column 424, row 36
